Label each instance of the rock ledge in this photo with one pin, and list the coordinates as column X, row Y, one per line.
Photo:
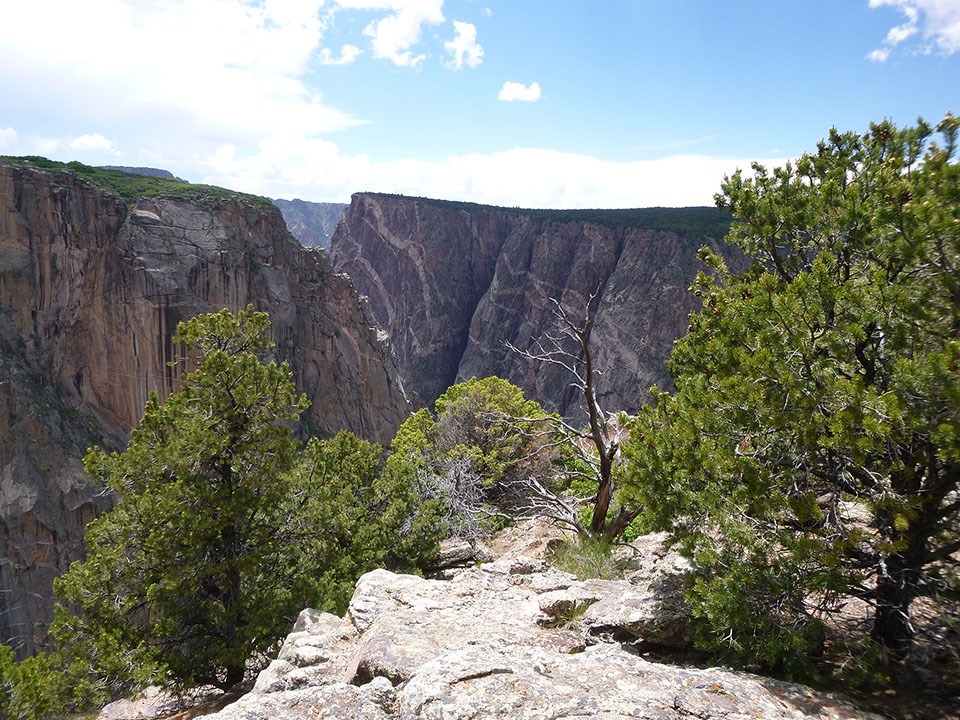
column 509, row 639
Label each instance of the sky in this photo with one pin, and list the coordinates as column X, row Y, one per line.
column 529, row 103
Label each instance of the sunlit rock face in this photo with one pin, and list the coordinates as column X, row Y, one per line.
column 508, row 639
column 91, row 291
column 453, row 283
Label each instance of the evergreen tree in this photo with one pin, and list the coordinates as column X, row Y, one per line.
column 190, row 571
column 811, row 451
column 353, row 516
column 224, row 529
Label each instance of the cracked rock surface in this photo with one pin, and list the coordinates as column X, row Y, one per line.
column 497, row 641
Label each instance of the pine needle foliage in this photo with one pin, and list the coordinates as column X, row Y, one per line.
column 810, row 454
column 224, row 528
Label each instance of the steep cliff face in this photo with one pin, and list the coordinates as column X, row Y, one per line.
column 453, row 283
column 91, row 291
column 424, row 269
column 311, row 223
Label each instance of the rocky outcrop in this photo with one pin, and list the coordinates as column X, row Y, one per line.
column 482, row 646
column 311, row 223
column 452, row 283
column 91, row 291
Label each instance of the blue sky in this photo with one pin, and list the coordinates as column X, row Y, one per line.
column 535, row 103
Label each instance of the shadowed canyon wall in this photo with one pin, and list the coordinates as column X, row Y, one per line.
column 452, row 283
column 91, row 291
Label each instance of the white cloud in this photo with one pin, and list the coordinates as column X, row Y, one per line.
column 315, row 169
column 95, row 142
column 394, row 36
column 348, row 53
column 464, row 47
column 937, row 21
column 226, row 69
column 216, row 91
column 15, row 143
column 514, row 91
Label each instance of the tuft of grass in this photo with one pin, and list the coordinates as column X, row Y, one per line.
column 588, row 558
column 132, row 187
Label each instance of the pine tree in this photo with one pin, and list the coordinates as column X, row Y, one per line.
column 811, row 451
column 189, row 573
column 224, row 528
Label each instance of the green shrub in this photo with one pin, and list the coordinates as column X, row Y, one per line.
column 29, row 690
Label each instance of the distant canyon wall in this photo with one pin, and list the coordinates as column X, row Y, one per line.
column 311, row 223
column 91, row 291
column 453, row 283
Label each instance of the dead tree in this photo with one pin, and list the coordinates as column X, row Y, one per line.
column 597, row 445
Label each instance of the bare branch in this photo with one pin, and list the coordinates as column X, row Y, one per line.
column 598, row 446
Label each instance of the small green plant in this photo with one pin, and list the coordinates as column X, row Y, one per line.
column 588, row 558
column 29, row 690
column 572, row 618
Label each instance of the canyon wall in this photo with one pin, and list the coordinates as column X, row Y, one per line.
column 453, row 283
column 311, row 223
column 91, row 291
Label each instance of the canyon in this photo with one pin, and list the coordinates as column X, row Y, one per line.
column 311, row 223
column 456, row 284
column 92, row 287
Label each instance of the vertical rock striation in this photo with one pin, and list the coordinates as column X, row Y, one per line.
column 424, row 269
column 452, row 283
column 91, row 291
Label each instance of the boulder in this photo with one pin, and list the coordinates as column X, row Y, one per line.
column 157, row 703
column 458, row 553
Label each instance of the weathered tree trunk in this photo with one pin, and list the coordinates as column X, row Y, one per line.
column 896, row 590
column 235, row 675
column 604, row 493
column 578, row 362
column 617, row 526
column 900, row 575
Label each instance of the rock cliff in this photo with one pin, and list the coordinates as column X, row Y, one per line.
column 311, row 223
column 91, row 290
column 452, row 283
column 509, row 639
